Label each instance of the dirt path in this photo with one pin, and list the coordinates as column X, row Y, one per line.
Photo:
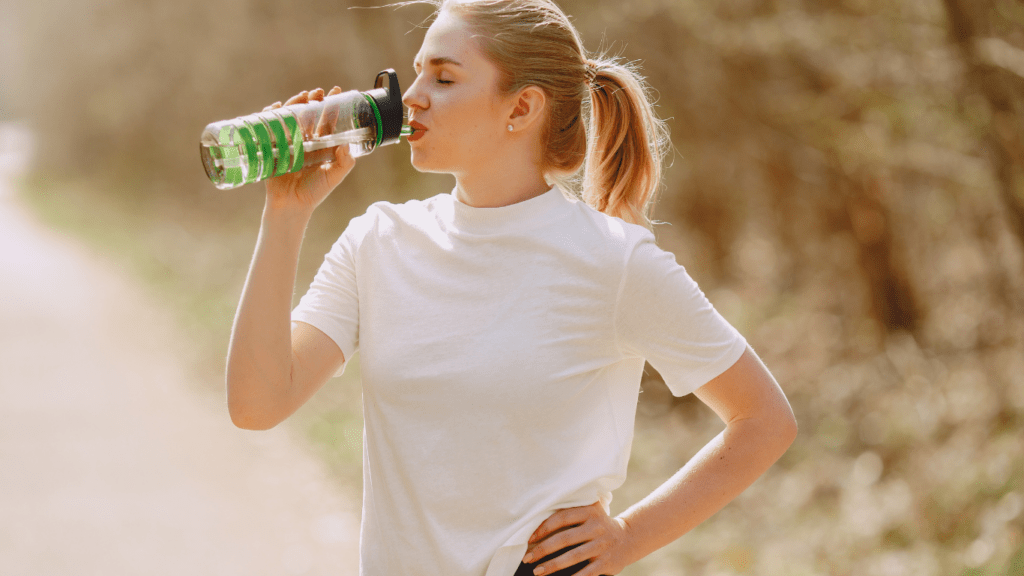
column 111, row 462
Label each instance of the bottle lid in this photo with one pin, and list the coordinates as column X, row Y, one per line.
column 388, row 101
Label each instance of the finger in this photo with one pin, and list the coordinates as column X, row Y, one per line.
column 329, row 118
column 276, row 104
column 553, row 545
column 581, row 552
column 300, row 98
column 307, row 118
column 565, row 517
column 548, row 526
column 328, row 158
column 336, row 171
column 342, row 155
column 594, row 568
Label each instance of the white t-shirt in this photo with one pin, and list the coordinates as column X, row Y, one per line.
column 501, row 355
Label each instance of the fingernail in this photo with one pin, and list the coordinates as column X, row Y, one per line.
column 539, row 570
column 528, row 558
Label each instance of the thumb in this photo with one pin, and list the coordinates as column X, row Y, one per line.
column 336, row 171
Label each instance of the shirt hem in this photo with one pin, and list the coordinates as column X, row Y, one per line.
column 347, row 348
column 708, row 373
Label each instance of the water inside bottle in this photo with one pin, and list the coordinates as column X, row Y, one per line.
column 354, row 138
column 248, row 149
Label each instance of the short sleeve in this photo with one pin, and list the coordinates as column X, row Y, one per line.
column 332, row 302
column 662, row 316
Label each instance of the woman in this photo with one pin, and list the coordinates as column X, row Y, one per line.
column 504, row 327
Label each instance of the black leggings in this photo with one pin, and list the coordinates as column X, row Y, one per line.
column 527, row 569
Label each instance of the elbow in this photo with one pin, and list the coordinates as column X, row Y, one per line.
column 784, row 430
column 249, row 413
column 249, row 419
column 778, row 435
column 788, row 429
column 783, row 424
column 778, row 432
column 778, row 426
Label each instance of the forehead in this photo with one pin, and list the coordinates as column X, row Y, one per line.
column 449, row 37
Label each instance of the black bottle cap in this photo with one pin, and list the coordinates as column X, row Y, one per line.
column 389, row 103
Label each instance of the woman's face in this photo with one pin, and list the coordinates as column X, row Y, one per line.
column 454, row 97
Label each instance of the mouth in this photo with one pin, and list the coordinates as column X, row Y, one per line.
column 418, row 130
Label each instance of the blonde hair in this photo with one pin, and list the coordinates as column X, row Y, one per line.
column 600, row 116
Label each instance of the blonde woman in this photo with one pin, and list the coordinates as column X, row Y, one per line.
column 504, row 327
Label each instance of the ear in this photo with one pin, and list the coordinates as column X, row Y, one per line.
column 527, row 108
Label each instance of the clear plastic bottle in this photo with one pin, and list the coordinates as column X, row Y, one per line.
column 267, row 144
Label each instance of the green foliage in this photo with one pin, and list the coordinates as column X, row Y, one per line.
column 1015, row 565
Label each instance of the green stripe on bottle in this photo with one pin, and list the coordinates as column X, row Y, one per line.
column 282, row 160
column 232, row 175
column 376, row 114
column 249, row 140
column 265, row 169
column 297, row 151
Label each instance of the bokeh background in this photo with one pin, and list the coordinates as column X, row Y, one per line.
column 846, row 185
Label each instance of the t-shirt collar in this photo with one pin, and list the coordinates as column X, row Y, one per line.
column 506, row 218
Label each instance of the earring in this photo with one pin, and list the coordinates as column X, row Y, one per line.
column 509, row 127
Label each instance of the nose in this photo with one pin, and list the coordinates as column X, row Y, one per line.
column 413, row 97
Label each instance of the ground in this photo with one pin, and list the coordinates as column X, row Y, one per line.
column 113, row 459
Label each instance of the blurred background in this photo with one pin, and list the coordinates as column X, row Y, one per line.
column 847, row 186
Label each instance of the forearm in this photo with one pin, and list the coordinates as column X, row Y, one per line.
column 259, row 361
column 719, row 472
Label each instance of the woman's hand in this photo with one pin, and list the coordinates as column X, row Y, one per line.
column 307, row 188
column 605, row 541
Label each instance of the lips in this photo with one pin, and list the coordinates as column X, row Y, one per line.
column 419, row 131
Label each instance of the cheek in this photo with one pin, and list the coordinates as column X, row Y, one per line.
column 475, row 134
column 467, row 113
column 463, row 133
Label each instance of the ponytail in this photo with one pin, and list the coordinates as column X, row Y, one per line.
column 626, row 144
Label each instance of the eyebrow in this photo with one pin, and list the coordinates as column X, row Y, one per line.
column 439, row 61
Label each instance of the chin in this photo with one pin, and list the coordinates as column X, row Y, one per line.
column 423, row 163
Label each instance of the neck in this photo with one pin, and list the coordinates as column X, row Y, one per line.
column 499, row 186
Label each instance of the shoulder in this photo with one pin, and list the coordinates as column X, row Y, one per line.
column 383, row 217
column 609, row 231
column 414, row 212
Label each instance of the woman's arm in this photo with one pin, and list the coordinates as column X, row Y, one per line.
column 760, row 427
column 271, row 369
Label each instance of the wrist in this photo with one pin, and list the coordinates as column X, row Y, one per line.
column 286, row 212
column 632, row 544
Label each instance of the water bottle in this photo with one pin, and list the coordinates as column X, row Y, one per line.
column 267, row 144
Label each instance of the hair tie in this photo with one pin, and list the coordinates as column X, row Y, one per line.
column 590, row 68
